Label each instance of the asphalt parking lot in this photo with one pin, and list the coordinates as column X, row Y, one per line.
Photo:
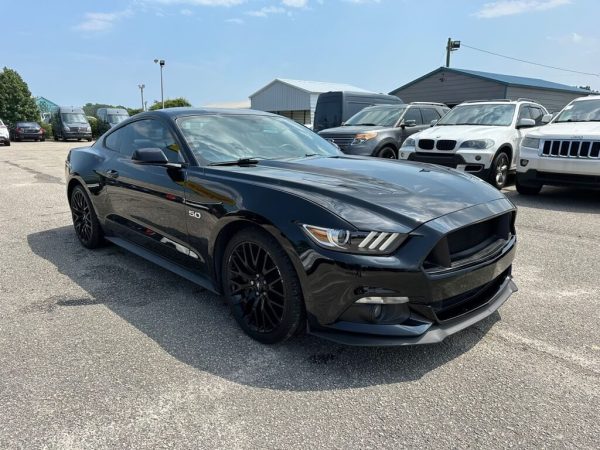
column 102, row 349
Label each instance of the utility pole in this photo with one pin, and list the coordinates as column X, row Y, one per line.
column 142, row 86
column 161, row 63
column 451, row 46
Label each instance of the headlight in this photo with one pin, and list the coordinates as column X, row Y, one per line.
column 479, row 144
column 66, row 128
column 361, row 138
column 88, row 128
column 530, row 142
column 372, row 243
column 410, row 142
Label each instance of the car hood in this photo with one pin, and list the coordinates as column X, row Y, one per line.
column 371, row 193
column 461, row 132
column 568, row 130
column 350, row 130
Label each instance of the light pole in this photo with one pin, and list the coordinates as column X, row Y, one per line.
column 161, row 63
column 142, row 86
column 451, row 46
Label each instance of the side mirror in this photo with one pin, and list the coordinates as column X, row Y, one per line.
column 546, row 118
column 526, row 123
column 433, row 123
column 408, row 123
column 150, row 156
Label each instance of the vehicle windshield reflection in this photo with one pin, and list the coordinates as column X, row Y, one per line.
column 215, row 138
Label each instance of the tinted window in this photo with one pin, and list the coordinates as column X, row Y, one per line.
column 74, row 118
column 328, row 114
column 429, row 114
column 413, row 114
column 144, row 134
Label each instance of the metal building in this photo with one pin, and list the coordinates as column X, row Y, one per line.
column 453, row 86
column 295, row 99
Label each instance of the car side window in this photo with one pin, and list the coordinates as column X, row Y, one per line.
column 524, row 112
column 429, row 114
column 536, row 114
column 413, row 114
column 146, row 133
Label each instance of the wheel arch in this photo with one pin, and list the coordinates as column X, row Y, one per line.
column 508, row 149
column 388, row 142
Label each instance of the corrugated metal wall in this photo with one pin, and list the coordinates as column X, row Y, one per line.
column 451, row 88
column 554, row 101
column 281, row 97
column 303, row 117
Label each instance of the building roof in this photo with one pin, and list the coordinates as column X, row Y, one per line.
column 313, row 87
column 507, row 80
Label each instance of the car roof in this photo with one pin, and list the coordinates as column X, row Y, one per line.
column 174, row 113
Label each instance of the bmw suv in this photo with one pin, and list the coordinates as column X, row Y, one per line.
column 479, row 137
column 380, row 130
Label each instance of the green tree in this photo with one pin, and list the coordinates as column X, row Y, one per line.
column 134, row 111
column 170, row 103
column 91, row 109
column 16, row 102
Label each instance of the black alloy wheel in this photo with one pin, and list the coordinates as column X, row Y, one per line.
column 85, row 222
column 261, row 287
column 499, row 172
column 387, row 152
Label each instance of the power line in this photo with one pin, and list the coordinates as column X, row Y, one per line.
column 529, row 62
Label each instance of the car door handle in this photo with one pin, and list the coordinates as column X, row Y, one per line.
column 112, row 174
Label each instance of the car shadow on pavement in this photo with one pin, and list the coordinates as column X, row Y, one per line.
column 563, row 199
column 195, row 326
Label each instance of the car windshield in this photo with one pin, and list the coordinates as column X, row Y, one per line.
column 73, row 118
column 114, row 119
column 384, row 117
column 28, row 124
column 219, row 138
column 581, row 111
column 479, row 114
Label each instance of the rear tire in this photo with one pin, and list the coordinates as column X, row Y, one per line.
column 528, row 189
column 387, row 152
column 261, row 287
column 86, row 224
column 7, row 143
column 499, row 170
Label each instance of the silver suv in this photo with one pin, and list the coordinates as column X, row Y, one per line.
column 380, row 130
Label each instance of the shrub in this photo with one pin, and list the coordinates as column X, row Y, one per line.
column 47, row 129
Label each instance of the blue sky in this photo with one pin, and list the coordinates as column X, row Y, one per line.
column 74, row 52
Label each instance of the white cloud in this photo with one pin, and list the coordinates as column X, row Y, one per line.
column 266, row 11
column 199, row 2
column 295, row 3
column 186, row 12
column 94, row 21
column 512, row 7
column 575, row 39
column 362, row 1
column 235, row 20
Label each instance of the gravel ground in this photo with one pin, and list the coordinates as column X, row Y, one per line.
column 102, row 349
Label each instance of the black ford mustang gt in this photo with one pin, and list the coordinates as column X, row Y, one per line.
column 296, row 235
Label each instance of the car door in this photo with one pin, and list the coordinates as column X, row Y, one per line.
column 412, row 114
column 524, row 113
column 147, row 200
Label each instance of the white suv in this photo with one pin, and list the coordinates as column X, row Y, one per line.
column 478, row 137
column 566, row 152
column 4, row 134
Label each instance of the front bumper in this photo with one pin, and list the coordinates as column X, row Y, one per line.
column 422, row 331
column 539, row 178
column 465, row 162
column 77, row 135
column 440, row 302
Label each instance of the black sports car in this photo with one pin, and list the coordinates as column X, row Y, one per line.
column 295, row 234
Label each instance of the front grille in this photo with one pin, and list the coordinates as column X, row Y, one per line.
column 571, row 149
column 342, row 141
column 441, row 159
column 471, row 244
column 426, row 144
column 444, row 144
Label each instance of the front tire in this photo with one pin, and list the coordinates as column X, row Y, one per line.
column 528, row 189
column 86, row 224
column 499, row 170
column 262, row 287
column 387, row 152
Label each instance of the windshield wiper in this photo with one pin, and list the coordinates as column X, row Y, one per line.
column 236, row 162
